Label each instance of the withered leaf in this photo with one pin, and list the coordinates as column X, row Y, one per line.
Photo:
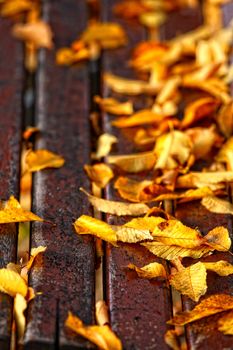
column 171, row 339
column 212, row 305
column 130, row 189
column 218, row 238
column 190, row 281
column 102, row 336
column 145, row 116
column 145, row 223
column 11, row 211
column 217, row 205
column 133, row 163
column 209, row 179
column 131, row 235
column 222, row 267
column 42, row 159
column 33, row 255
column 101, row 313
column 12, row 283
column 117, row 208
column 225, row 323
column 149, row 271
column 99, row 173
column 112, row 106
column 104, row 145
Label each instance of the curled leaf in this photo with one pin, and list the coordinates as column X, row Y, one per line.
column 42, row 159
column 117, row 208
column 210, row 306
column 134, row 163
column 104, row 145
column 222, row 267
column 149, row 271
column 209, row 179
column 218, row 239
column 11, row 211
column 112, row 106
column 12, row 283
column 142, row 117
column 171, row 339
column 99, row 173
column 101, row 313
column 102, row 336
column 217, row 205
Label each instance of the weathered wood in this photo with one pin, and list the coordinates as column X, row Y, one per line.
column 65, row 273
column 11, row 82
column 139, row 308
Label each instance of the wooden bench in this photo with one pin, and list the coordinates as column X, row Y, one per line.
column 65, row 273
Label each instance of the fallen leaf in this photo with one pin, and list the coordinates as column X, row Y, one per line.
column 171, row 252
column 210, row 306
column 33, row 255
column 203, row 140
column 12, row 283
column 209, row 179
column 171, row 339
column 112, row 106
column 218, row 238
column 99, row 173
column 190, row 281
column 225, row 154
column 116, row 208
column 104, row 145
column 149, row 271
column 145, row 116
column 20, row 305
column 187, row 196
column 42, row 159
column 222, row 267
column 133, row 163
column 225, row 119
column 217, row 205
column 225, row 323
column 38, row 33
column 102, row 336
column 145, row 223
column 131, row 235
column 173, row 232
column 101, row 313
column 11, row 211
column 88, row 225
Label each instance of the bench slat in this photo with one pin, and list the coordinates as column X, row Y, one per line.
column 11, row 85
column 65, row 273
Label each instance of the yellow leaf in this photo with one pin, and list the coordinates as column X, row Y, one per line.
column 217, row 205
column 113, row 106
column 209, row 179
column 225, row 154
column 171, row 252
column 12, row 283
column 131, row 235
column 187, row 196
column 88, row 225
column 203, row 139
column 42, row 159
column 149, row 271
column 171, row 339
column 33, row 255
column 117, row 208
column 131, row 189
column 13, row 7
column 207, row 307
column 173, row 232
column 134, row 163
column 99, row 173
column 20, row 305
column 37, row 33
column 13, row 212
column 225, row 119
column 225, row 323
column 199, row 109
column 218, row 239
column 104, row 145
column 101, row 313
column 222, row 267
column 190, row 281
column 145, row 116
column 102, row 336
column 107, row 35
column 146, row 223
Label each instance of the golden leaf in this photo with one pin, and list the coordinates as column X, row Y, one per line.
column 42, row 159
column 38, row 33
column 88, row 225
column 101, row 313
column 173, row 232
column 12, row 283
column 107, row 35
column 171, row 339
column 199, row 109
column 11, row 211
column 172, row 149
column 131, row 235
column 187, row 196
column 131, row 189
column 209, row 179
column 116, row 208
column 134, row 163
column 146, row 223
column 210, row 306
column 217, row 205
column 171, row 252
column 222, row 267
column 190, row 281
column 99, row 173
column 104, row 145
column 218, row 239
column 13, row 7
column 20, row 305
column 225, row 323
column 112, row 106
column 203, row 139
column 149, row 271
column 33, row 255
column 145, row 116
column 102, row 336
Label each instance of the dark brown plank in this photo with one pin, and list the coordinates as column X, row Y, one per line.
column 204, row 335
column 11, row 82
column 139, row 308
column 65, row 273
